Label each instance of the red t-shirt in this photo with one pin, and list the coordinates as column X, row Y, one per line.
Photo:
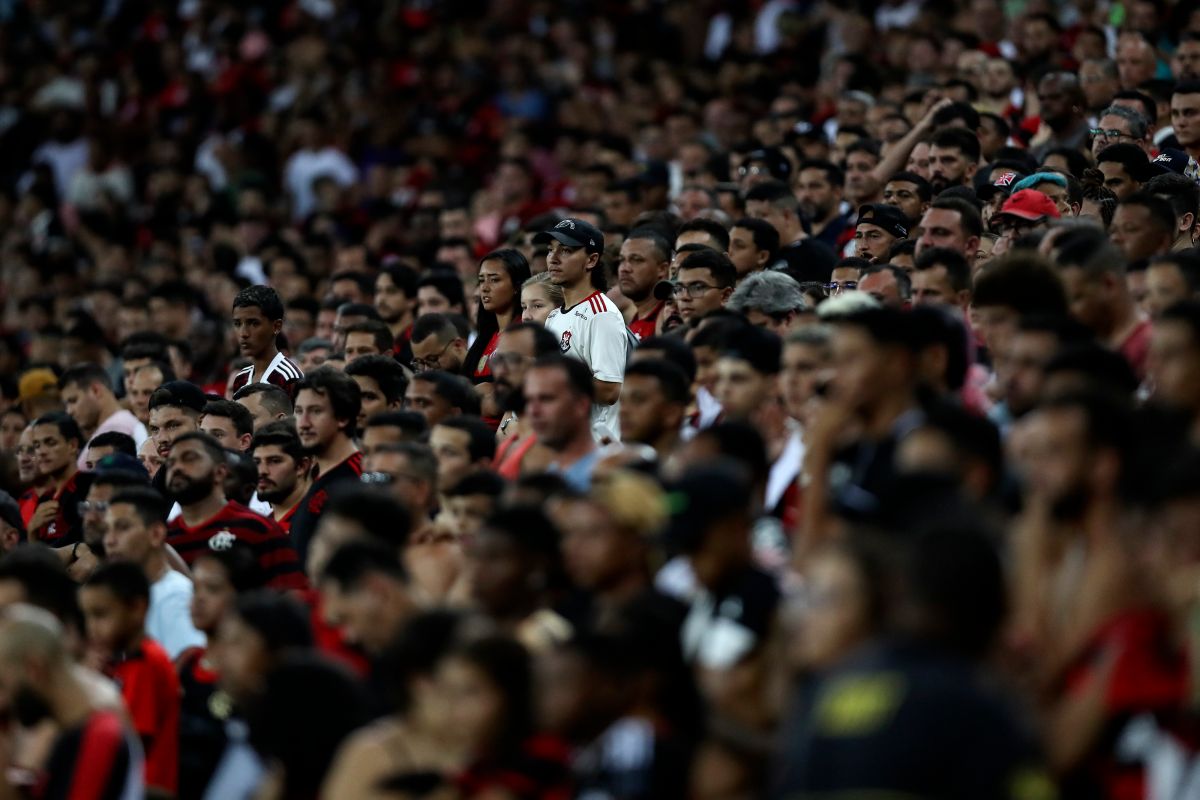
column 483, row 369
column 276, row 556
column 1136, row 347
column 644, row 328
column 151, row 692
column 67, row 526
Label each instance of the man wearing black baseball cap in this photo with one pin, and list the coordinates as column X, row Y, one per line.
column 588, row 327
column 879, row 227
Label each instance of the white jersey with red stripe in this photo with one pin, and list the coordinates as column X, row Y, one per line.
column 282, row 371
column 593, row 331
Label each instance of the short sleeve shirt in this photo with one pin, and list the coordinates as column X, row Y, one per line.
column 594, row 332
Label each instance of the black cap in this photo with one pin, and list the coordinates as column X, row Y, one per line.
column 707, row 493
column 180, row 394
column 1171, row 160
column 121, row 462
column 1003, row 184
column 664, row 290
column 574, row 233
column 10, row 513
column 890, row 218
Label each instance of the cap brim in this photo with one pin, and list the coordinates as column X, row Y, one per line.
column 664, row 290
column 1021, row 215
column 558, row 236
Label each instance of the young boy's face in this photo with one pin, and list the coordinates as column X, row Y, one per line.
column 111, row 624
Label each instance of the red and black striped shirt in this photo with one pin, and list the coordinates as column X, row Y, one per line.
column 93, row 761
column 276, row 556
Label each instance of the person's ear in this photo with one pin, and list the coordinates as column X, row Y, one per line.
column 277, row 326
column 158, row 534
column 725, row 293
column 245, row 441
column 1188, row 222
column 763, row 257
column 593, row 260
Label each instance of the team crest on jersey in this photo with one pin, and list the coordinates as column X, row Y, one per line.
column 221, row 541
column 564, row 344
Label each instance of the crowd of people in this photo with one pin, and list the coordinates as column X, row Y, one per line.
column 603, row 400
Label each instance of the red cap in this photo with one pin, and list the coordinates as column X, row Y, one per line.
column 1030, row 205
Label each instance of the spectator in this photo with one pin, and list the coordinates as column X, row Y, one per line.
column 266, row 403
column 88, row 398
column 229, row 423
column 436, row 344
column 284, row 470
column 644, row 261
column 257, row 322
column 381, row 384
column 56, row 442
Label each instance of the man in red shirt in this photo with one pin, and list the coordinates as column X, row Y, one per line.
column 114, row 603
column 92, row 755
column 196, row 470
column 645, row 260
column 283, row 470
column 327, row 406
column 56, row 441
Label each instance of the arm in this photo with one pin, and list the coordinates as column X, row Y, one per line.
column 897, row 156
column 606, row 393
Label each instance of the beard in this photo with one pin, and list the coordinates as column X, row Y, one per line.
column 188, row 491
column 509, row 398
column 276, row 493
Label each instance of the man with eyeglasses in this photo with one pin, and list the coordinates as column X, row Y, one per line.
column 1119, row 125
column 408, row 471
column 589, row 327
column 1026, row 211
column 704, row 284
column 436, row 344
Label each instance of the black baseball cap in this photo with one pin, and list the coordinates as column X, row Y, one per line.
column 760, row 348
column 121, row 462
column 890, row 218
column 705, row 494
column 574, row 233
column 773, row 159
column 664, row 290
column 180, row 394
column 1171, row 160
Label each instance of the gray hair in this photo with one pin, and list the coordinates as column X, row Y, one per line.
column 768, row 292
column 1138, row 125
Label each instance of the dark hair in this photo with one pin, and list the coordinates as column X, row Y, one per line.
column 84, row 375
column 481, row 436
column 44, row 581
column 833, row 174
column 412, row 423
column 1002, row 126
column 385, row 371
column 281, row 620
column 340, row 389
column 544, row 343
column 67, row 427
column 421, row 645
column 404, row 278
column 264, row 297
column 346, row 309
column 243, row 420
column 509, row 668
column 1077, row 162
column 708, row 226
column 381, row 516
column 479, row 482
column 366, row 284
column 864, row 145
column 454, row 389
column 150, row 505
column 356, row 559
column 675, row 350
column 274, row 399
column 656, row 238
column 306, row 303
column 1187, row 87
column 175, row 292
column 1181, row 192
column 579, row 376
column 119, row 478
column 959, row 139
column 963, row 111
column 900, row 247
column 765, row 235
column 439, row 325
column 1186, row 261
column 718, row 265
column 777, row 193
column 957, row 268
column 673, row 382
column 903, row 281
column 931, row 326
column 1131, row 158
column 210, row 445
column 119, row 442
column 924, row 189
column 742, row 443
column 1160, row 210
column 126, row 580
column 1022, row 281
column 486, row 322
column 378, row 329
column 240, row 565
column 447, row 283
column 1106, row 370
column 972, row 221
column 1149, row 107
column 281, row 434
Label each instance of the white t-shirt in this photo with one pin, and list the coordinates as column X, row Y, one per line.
column 169, row 618
column 593, row 331
column 305, row 166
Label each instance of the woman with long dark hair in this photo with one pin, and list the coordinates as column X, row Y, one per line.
column 501, row 273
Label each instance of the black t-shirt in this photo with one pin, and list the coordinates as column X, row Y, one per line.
column 67, row 526
column 202, row 717
column 806, row 260
column 304, row 521
column 902, row 720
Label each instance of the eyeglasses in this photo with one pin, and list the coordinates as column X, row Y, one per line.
column 1012, row 230
column 747, row 171
column 86, row 507
column 386, row 478
column 837, row 287
column 1111, row 133
column 561, row 250
column 433, row 362
column 693, row 289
